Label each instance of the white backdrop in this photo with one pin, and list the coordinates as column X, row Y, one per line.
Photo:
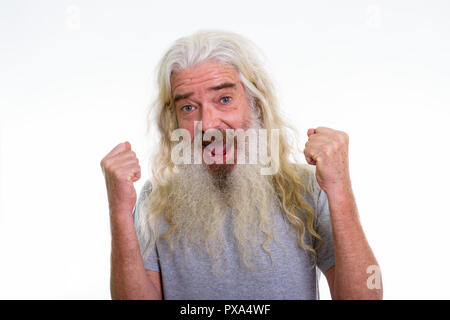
column 76, row 78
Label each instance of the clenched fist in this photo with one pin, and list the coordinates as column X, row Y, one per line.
column 327, row 149
column 121, row 169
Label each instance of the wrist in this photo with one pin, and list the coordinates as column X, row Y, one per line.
column 340, row 192
column 120, row 222
column 120, row 213
column 342, row 202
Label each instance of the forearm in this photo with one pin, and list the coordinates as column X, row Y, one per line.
column 353, row 254
column 128, row 277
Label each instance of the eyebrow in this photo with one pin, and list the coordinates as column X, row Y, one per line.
column 224, row 85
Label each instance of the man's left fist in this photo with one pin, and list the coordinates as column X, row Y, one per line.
column 327, row 149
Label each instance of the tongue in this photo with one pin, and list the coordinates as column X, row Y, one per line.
column 213, row 152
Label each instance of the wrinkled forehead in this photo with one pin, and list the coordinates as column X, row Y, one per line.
column 204, row 74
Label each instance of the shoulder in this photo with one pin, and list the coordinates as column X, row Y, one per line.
column 147, row 187
column 142, row 198
column 311, row 191
column 307, row 176
column 145, row 191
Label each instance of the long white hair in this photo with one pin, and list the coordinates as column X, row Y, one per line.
column 290, row 182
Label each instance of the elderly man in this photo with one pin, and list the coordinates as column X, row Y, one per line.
column 219, row 228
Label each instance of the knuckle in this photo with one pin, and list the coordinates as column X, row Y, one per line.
column 105, row 164
column 346, row 136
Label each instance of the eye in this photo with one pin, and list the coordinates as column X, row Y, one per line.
column 225, row 100
column 187, row 108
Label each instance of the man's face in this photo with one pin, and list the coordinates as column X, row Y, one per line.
column 212, row 93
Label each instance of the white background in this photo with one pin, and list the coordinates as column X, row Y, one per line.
column 76, row 78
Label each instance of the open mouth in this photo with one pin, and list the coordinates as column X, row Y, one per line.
column 217, row 150
column 223, row 151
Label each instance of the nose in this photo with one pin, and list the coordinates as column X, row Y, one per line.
column 210, row 118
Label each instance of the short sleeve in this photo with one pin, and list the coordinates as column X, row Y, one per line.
column 322, row 225
column 149, row 255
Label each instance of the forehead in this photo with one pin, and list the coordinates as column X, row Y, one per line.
column 202, row 76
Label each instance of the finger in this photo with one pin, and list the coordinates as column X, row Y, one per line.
column 310, row 155
column 310, row 160
column 325, row 130
column 124, row 155
column 307, row 154
column 134, row 174
column 317, row 139
column 127, row 172
column 136, row 177
column 121, row 147
column 121, row 163
column 311, row 131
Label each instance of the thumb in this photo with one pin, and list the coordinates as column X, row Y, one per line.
column 127, row 145
column 311, row 131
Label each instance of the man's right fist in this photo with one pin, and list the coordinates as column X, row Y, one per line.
column 121, row 169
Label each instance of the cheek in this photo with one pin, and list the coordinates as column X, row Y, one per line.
column 187, row 125
column 238, row 119
column 243, row 114
column 247, row 112
column 238, row 114
column 187, row 120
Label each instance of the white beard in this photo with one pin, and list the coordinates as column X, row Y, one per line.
column 198, row 208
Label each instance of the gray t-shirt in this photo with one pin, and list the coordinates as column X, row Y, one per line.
column 188, row 274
